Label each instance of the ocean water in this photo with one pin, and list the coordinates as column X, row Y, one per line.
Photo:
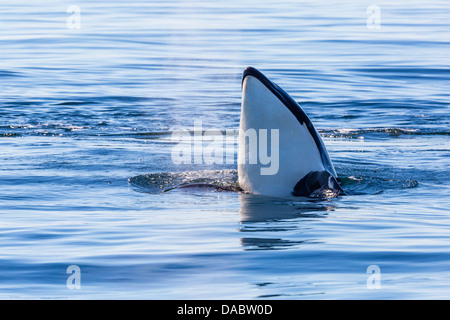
column 92, row 92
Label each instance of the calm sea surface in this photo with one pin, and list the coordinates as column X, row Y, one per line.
column 91, row 92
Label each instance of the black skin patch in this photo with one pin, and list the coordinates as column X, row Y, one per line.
column 318, row 184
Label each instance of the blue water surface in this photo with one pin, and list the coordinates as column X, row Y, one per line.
column 92, row 91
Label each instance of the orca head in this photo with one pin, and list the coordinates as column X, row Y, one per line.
column 272, row 123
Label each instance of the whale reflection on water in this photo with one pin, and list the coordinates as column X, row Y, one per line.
column 270, row 223
column 258, row 208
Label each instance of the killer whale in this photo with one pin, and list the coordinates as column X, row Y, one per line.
column 304, row 168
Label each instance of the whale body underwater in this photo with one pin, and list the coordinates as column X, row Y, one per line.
column 304, row 167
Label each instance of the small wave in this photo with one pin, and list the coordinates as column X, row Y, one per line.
column 75, row 103
column 352, row 133
column 354, row 181
column 4, row 74
column 406, row 72
column 162, row 182
column 375, row 181
column 39, row 129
